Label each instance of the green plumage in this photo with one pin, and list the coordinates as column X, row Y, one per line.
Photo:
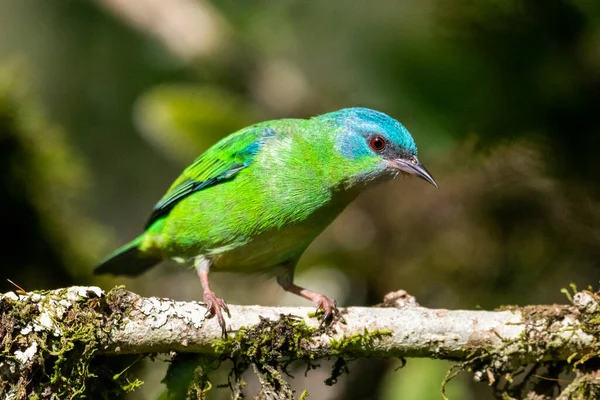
column 251, row 201
column 128, row 259
column 256, row 199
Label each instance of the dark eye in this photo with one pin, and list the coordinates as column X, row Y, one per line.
column 377, row 143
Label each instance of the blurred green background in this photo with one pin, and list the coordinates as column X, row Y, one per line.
column 102, row 103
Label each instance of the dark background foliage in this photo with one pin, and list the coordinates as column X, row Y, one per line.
column 503, row 97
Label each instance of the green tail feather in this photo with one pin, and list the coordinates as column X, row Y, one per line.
column 127, row 260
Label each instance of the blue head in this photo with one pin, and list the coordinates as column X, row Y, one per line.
column 377, row 144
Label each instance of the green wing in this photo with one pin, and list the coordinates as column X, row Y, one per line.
column 218, row 164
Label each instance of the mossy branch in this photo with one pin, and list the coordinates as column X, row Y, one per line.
column 36, row 326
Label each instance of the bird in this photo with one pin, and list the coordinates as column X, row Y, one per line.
column 254, row 201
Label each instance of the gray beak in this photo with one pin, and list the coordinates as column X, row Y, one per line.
column 414, row 167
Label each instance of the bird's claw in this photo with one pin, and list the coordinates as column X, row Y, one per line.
column 214, row 307
column 329, row 308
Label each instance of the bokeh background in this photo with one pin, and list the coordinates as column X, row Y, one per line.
column 102, row 103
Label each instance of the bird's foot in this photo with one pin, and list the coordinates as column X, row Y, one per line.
column 215, row 307
column 328, row 306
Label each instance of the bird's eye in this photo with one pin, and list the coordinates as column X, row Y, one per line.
column 377, row 143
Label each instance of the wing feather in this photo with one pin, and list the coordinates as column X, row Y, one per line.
column 218, row 164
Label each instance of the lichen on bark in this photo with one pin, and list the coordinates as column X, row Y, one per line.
column 535, row 365
column 56, row 342
column 50, row 345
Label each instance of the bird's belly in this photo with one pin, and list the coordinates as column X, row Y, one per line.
column 230, row 248
column 264, row 251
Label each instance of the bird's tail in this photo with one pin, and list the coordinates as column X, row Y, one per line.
column 128, row 260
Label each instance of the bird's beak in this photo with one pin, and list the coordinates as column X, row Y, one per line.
column 414, row 167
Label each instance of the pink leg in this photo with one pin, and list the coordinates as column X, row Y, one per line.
column 214, row 304
column 321, row 301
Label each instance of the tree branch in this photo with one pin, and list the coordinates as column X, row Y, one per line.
column 121, row 322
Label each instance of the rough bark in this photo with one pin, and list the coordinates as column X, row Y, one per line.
column 491, row 343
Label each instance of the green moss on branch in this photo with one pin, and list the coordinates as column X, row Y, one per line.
column 50, row 344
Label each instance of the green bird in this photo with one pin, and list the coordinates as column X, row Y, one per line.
column 254, row 201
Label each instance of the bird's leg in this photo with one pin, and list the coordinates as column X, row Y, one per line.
column 214, row 304
column 286, row 281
